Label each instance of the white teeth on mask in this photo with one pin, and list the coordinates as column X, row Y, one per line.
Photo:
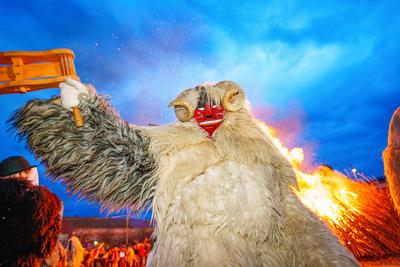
column 211, row 122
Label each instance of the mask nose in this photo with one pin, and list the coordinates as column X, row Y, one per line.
column 207, row 111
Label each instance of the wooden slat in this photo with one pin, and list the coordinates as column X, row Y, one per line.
column 32, row 71
column 63, row 65
column 25, row 86
column 68, row 61
column 5, row 73
column 42, row 70
column 35, row 56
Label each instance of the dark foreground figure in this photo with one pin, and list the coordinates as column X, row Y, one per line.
column 391, row 157
column 29, row 216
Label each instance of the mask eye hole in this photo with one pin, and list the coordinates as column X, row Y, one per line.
column 200, row 108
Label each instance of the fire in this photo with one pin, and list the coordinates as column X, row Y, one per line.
column 323, row 191
column 360, row 213
column 314, row 190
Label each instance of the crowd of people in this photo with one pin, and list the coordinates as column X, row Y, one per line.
column 102, row 255
column 134, row 255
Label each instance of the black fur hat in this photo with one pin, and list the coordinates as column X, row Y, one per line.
column 14, row 164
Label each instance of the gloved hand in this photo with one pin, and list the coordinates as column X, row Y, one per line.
column 70, row 91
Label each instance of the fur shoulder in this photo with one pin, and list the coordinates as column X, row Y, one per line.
column 172, row 137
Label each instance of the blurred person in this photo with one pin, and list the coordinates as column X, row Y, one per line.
column 113, row 258
column 136, row 261
column 99, row 256
column 147, row 248
column 75, row 252
column 142, row 253
column 29, row 215
column 130, row 256
column 122, row 257
column 57, row 257
column 87, row 260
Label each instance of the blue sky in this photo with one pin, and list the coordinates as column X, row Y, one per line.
column 326, row 74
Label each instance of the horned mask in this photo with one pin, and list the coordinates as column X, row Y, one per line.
column 207, row 105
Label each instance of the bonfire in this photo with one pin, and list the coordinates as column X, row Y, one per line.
column 357, row 209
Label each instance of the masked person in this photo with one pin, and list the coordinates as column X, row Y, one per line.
column 220, row 190
column 29, row 215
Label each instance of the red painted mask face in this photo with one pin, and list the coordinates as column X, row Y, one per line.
column 209, row 117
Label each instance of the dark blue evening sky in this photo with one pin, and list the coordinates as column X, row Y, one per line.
column 326, row 74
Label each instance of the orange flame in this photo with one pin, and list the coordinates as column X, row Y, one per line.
column 359, row 212
column 322, row 190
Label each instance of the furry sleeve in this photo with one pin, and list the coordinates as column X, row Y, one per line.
column 107, row 160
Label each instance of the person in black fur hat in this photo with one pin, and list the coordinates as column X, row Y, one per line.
column 29, row 215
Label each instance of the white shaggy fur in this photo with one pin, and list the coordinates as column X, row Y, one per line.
column 227, row 201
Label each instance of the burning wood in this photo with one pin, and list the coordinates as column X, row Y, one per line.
column 359, row 211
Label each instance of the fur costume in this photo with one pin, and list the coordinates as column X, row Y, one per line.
column 219, row 199
column 29, row 222
column 391, row 157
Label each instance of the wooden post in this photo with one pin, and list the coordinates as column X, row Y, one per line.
column 127, row 227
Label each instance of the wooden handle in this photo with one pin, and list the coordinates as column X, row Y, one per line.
column 76, row 113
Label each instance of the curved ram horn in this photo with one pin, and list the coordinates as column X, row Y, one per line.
column 183, row 110
column 234, row 97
